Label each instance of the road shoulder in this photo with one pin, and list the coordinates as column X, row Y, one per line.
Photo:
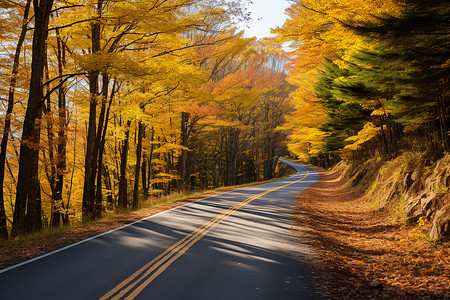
column 362, row 252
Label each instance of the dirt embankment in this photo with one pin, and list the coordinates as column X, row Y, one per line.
column 365, row 250
column 415, row 187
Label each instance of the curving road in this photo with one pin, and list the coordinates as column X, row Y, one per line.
column 236, row 245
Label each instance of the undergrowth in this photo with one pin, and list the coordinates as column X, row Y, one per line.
column 147, row 204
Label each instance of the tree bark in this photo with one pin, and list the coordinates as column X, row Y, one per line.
column 91, row 159
column 7, row 124
column 138, row 165
column 149, row 163
column 123, row 192
column 54, row 221
column 28, row 188
column 144, row 175
column 108, row 186
column 60, row 166
column 443, row 115
column 231, row 150
column 182, row 163
column 99, row 147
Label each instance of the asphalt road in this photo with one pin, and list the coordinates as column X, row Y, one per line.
column 237, row 245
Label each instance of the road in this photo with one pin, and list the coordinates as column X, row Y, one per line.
column 237, row 245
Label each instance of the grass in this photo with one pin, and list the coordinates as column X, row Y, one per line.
column 148, row 204
column 43, row 234
column 153, row 202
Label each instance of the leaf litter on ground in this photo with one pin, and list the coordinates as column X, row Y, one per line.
column 358, row 244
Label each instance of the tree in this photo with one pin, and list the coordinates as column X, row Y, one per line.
column 172, row 79
column 316, row 32
column 8, row 115
column 413, row 58
column 27, row 212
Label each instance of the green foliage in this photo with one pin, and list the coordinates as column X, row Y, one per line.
column 380, row 74
column 410, row 64
column 345, row 117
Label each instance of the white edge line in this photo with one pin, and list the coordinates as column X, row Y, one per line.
column 39, row 257
column 92, row 238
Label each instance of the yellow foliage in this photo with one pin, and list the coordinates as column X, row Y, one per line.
column 368, row 132
column 315, row 30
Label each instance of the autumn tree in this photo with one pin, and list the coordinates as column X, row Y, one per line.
column 27, row 212
column 316, row 32
column 411, row 64
column 129, row 100
column 8, row 114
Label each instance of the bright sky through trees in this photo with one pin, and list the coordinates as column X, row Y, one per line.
column 266, row 14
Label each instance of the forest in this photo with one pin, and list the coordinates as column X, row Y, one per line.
column 372, row 93
column 106, row 103
column 372, row 78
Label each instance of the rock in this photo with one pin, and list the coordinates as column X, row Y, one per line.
column 430, row 204
column 415, row 175
column 441, row 224
column 408, row 181
column 377, row 285
column 413, row 209
column 414, row 206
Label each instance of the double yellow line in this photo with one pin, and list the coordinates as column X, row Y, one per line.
column 139, row 280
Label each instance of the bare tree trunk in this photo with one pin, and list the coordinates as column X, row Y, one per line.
column 28, row 188
column 54, row 220
column 138, row 165
column 91, row 159
column 108, row 186
column 383, row 135
column 99, row 147
column 443, row 115
column 182, row 163
column 60, row 164
column 150, row 160
column 144, row 175
column 231, row 149
column 123, row 191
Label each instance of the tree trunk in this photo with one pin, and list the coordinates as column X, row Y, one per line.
column 54, row 220
column 182, row 163
column 144, row 175
column 108, row 186
column 383, row 135
column 60, row 166
column 7, row 124
column 28, row 182
column 231, row 150
column 443, row 115
column 97, row 161
column 149, row 163
column 138, row 165
column 89, row 190
column 123, row 169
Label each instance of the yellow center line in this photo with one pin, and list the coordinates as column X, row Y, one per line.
column 165, row 259
column 169, row 251
column 155, row 263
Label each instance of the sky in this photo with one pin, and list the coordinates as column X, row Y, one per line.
column 265, row 14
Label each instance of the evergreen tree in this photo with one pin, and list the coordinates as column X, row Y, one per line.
column 345, row 117
column 411, row 65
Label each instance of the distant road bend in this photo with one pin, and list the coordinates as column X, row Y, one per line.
column 237, row 245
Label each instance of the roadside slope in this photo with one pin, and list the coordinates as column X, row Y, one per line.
column 359, row 244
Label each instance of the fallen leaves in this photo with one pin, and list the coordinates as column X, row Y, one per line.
column 15, row 253
column 357, row 243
